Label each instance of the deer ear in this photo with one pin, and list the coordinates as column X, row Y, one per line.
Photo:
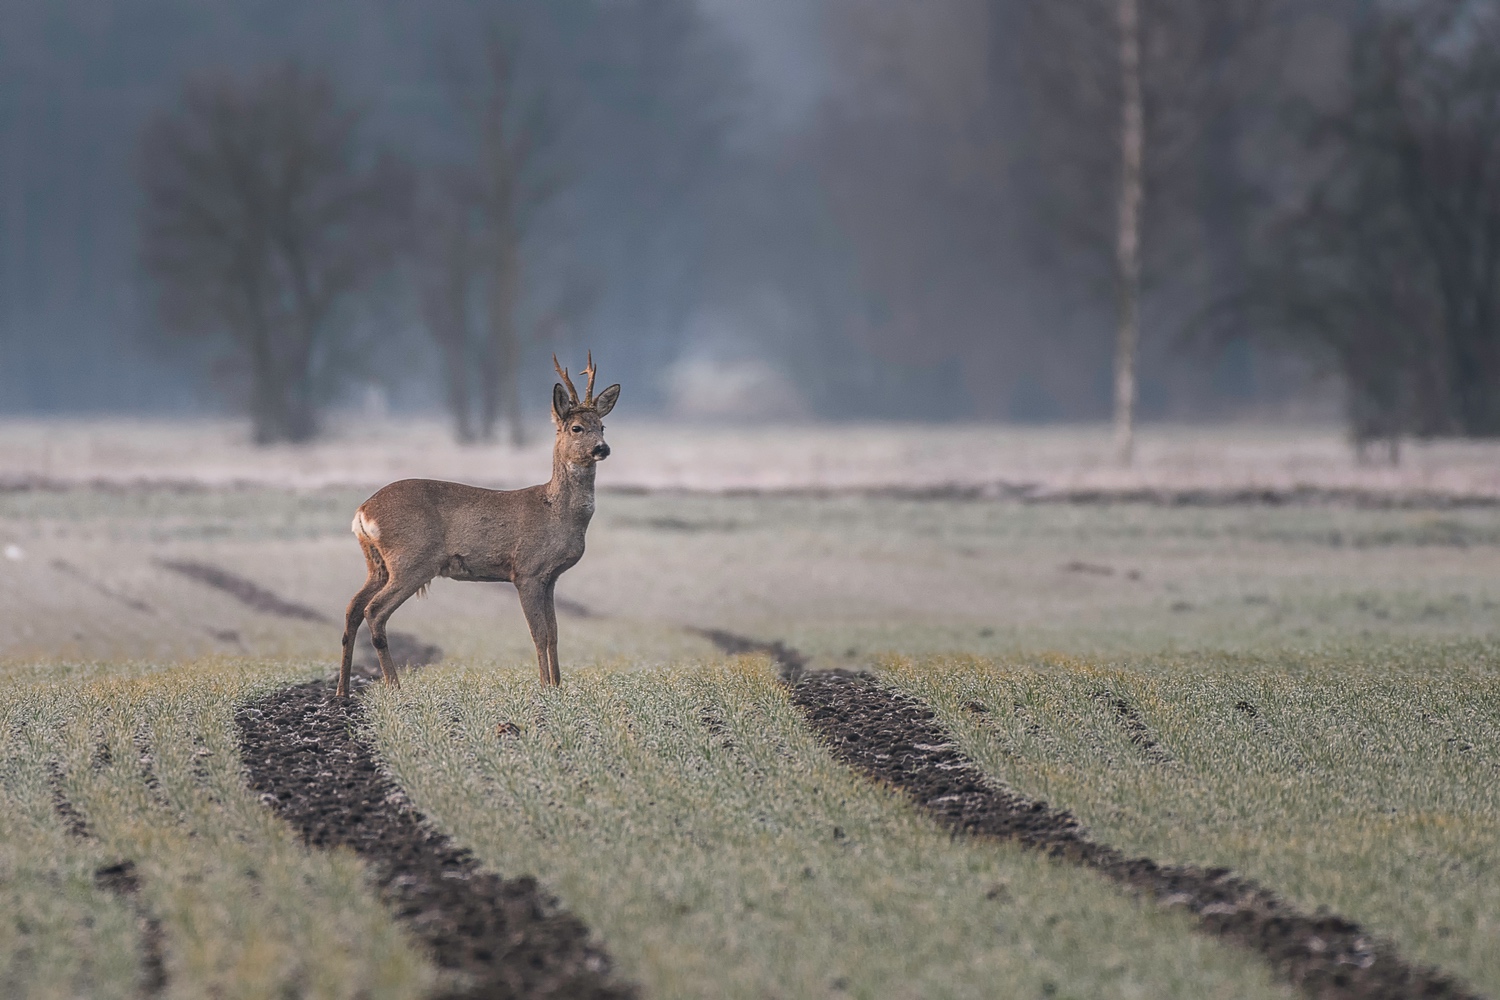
column 605, row 401
column 561, row 404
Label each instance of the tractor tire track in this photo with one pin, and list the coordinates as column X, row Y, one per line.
column 133, row 603
column 247, row 592
column 304, row 754
column 405, row 649
column 895, row 739
column 122, row 880
column 1134, row 727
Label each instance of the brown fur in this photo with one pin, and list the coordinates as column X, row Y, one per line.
column 415, row 530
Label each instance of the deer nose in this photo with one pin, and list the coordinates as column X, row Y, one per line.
column 601, row 450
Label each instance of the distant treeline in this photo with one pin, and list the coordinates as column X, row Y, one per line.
column 1009, row 208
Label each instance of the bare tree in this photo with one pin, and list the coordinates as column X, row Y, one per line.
column 1389, row 263
column 263, row 214
column 1007, row 170
column 490, row 203
column 912, row 150
column 1128, row 233
column 1128, row 96
column 446, row 261
column 453, row 268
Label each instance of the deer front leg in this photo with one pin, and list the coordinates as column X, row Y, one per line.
column 552, row 666
column 536, row 602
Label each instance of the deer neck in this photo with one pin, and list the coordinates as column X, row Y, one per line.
column 571, row 490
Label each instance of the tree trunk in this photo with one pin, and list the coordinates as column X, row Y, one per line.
column 282, row 412
column 278, row 411
column 489, row 389
column 445, row 303
column 457, row 369
column 1128, row 236
column 504, row 348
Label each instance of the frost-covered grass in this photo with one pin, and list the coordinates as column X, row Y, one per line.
column 832, row 576
column 688, row 816
column 245, row 911
column 1366, row 783
column 704, row 456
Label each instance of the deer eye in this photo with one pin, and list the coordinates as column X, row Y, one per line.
column 577, row 428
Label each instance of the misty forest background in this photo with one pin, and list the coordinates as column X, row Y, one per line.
column 842, row 209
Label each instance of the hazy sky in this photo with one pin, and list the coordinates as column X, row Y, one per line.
column 839, row 247
column 784, row 45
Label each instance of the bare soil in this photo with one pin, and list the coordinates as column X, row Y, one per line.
column 895, row 739
column 305, row 755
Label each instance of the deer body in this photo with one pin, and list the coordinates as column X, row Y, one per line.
column 416, row 530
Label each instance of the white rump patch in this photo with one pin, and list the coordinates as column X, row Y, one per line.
column 365, row 526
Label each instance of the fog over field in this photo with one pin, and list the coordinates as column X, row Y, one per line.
column 718, row 199
column 1024, row 515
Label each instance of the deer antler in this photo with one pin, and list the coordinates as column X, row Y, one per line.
column 590, row 371
column 569, row 382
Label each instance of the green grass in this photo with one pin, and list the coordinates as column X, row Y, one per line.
column 246, row 911
column 687, row 855
column 1368, row 785
column 746, row 863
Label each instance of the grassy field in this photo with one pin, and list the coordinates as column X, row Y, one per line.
column 842, row 579
column 147, row 761
column 677, row 804
column 687, row 815
column 1367, row 785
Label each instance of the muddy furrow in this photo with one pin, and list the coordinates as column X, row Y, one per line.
column 122, row 880
column 304, row 755
column 895, row 739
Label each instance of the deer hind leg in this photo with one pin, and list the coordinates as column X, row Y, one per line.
column 541, row 618
column 356, row 613
column 352, row 618
column 391, row 596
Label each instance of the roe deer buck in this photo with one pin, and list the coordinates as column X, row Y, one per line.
column 417, row 529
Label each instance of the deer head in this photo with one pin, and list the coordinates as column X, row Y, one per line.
column 580, row 422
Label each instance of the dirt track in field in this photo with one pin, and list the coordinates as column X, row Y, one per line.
column 303, row 753
column 122, row 880
column 305, row 756
column 245, row 591
column 406, row 649
column 896, row 739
